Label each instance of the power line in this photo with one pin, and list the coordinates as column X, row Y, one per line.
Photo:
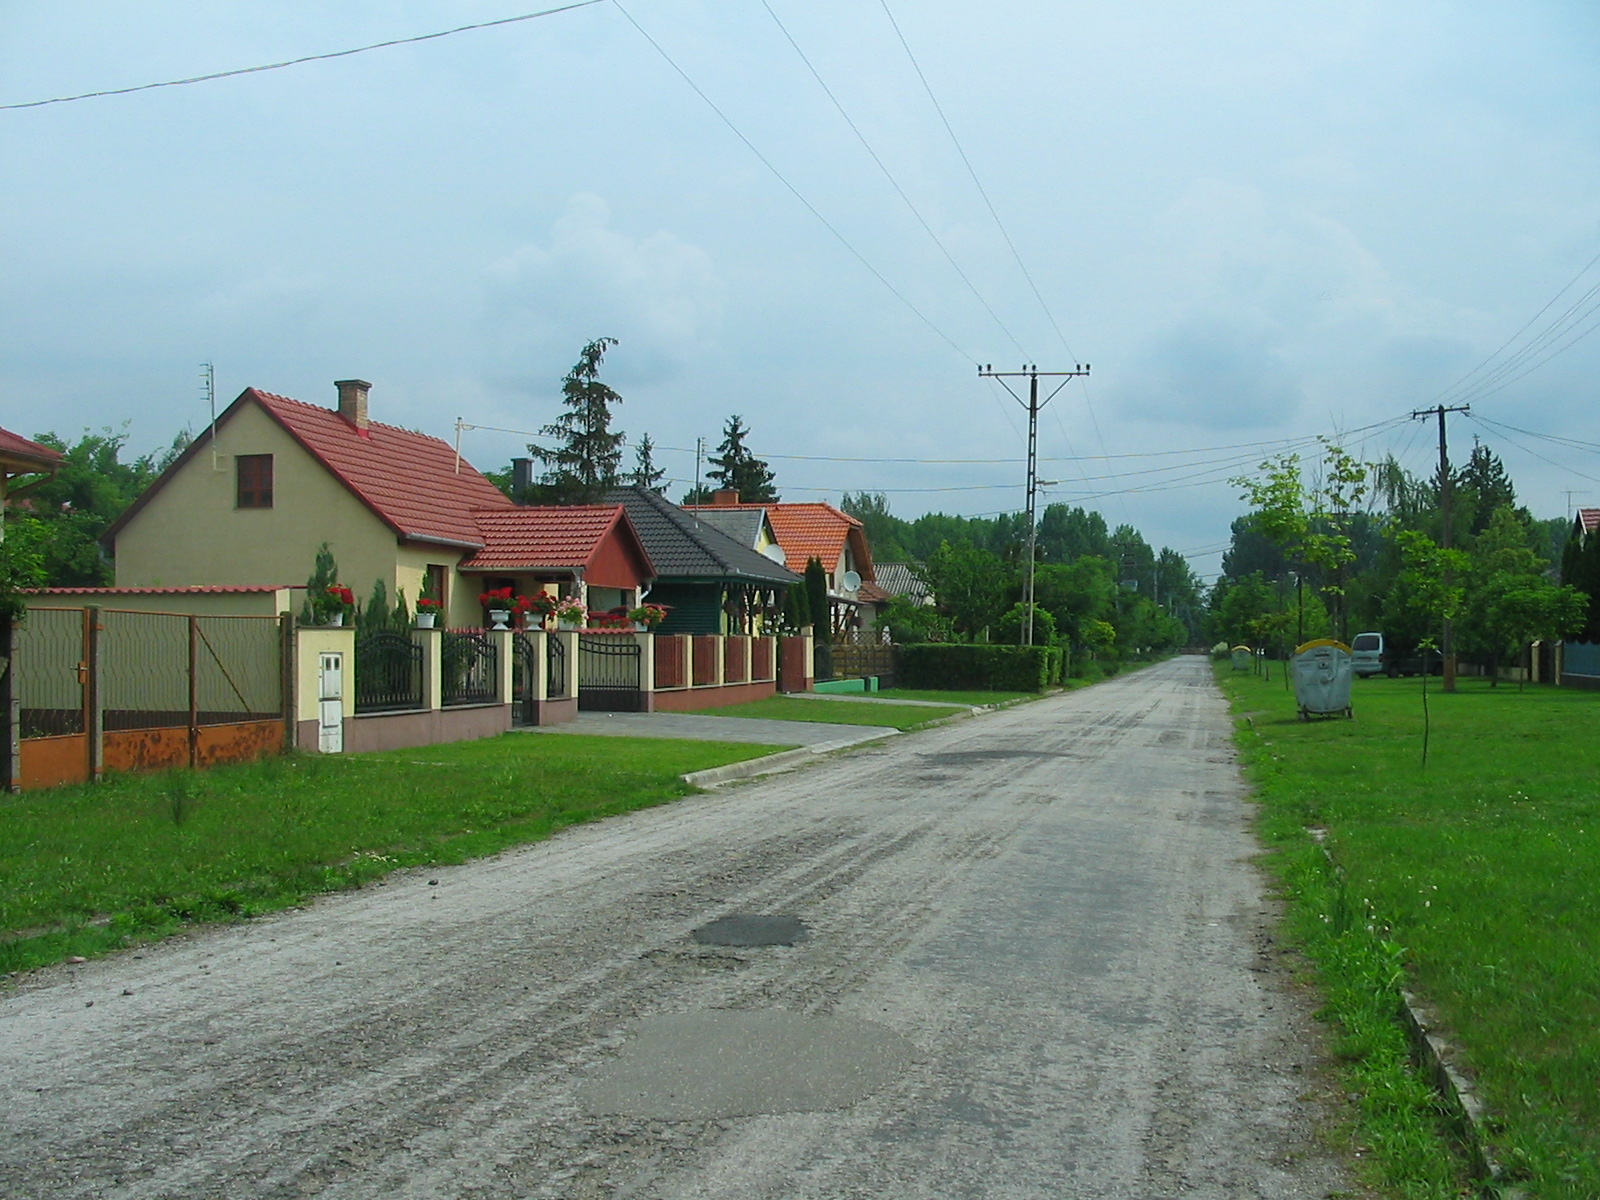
column 978, row 183
column 295, row 62
column 1463, row 391
column 887, row 174
column 794, row 191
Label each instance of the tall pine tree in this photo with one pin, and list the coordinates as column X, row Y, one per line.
column 734, row 467
column 645, row 473
column 584, row 462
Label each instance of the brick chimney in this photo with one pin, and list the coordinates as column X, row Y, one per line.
column 353, row 401
column 725, row 498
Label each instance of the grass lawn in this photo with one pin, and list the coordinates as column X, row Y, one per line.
column 834, row 712
column 1474, row 880
column 970, row 699
column 90, row 868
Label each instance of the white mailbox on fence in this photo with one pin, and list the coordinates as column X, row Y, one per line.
column 330, row 703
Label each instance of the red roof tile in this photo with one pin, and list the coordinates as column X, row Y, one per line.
column 15, row 446
column 523, row 538
column 409, row 480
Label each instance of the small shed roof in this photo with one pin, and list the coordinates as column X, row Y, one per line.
column 597, row 540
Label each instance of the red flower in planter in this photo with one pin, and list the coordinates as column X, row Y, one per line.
column 500, row 598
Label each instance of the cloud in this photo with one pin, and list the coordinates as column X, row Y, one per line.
column 1214, row 373
column 658, row 295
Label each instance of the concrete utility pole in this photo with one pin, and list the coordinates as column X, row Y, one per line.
column 1447, row 650
column 1033, row 404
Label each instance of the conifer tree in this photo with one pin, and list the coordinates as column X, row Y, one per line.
column 734, row 467
column 584, row 462
column 645, row 473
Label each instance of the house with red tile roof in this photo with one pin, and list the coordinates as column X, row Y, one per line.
column 252, row 498
column 23, row 465
column 820, row 531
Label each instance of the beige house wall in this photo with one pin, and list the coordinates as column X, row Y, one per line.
column 191, row 532
column 268, row 602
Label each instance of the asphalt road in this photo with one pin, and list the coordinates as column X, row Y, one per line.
column 1027, row 955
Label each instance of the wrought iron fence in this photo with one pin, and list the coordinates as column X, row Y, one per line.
column 388, row 672
column 470, row 662
column 556, row 682
column 610, row 674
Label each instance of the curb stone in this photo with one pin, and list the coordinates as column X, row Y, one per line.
column 1436, row 1057
column 782, row 761
column 1434, row 1054
column 787, row 759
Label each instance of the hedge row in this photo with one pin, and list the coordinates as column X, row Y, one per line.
column 980, row 667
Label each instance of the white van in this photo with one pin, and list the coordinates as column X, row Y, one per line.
column 1366, row 654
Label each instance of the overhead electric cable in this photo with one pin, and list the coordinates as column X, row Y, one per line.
column 889, row 175
column 1463, row 391
column 1533, row 453
column 794, row 191
column 1558, row 439
column 295, row 62
column 938, row 108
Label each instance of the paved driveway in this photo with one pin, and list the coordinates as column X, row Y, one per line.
column 1026, row 955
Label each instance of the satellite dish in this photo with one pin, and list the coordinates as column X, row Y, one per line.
column 776, row 554
column 851, row 581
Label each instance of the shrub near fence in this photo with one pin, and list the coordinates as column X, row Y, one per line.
column 980, row 668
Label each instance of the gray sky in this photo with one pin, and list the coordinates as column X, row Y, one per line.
column 1259, row 222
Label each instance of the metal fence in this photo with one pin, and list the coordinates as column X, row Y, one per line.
column 610, row 673
column 388, row 672
column 1581, row 658
column 557, row 678
column 107, row 689
column 470, row 663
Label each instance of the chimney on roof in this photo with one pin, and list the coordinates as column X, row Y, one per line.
column 725, row 498
column 353, row 401
column 521, row 479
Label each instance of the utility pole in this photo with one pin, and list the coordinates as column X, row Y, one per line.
column 1033, row 404
column 1446, row 647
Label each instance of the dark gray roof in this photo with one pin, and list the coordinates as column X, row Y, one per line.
column 900, row 579
column 684, row 546
column 743, row 525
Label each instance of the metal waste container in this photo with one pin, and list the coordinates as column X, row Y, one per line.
column 1241, row 658
column 1322, row 675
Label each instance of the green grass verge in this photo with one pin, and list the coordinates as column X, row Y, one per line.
column 1472, row 880
column 833, row 712
column 89, row 869
column 970, row 699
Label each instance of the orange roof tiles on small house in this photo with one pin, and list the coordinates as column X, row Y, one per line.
column 594, row 542
column 810, row 530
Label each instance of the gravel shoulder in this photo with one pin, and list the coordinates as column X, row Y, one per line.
column 1037, row 962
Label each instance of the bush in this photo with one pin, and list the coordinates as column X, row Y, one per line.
column 980, row 668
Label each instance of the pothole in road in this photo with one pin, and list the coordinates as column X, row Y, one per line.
column 725, row 1063
column 750, row 929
